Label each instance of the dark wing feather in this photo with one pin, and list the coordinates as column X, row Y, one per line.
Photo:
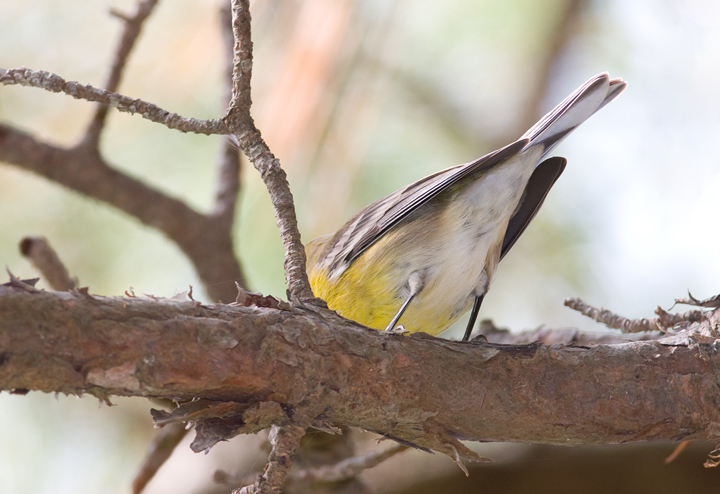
column 372, row 222
column 540, row 183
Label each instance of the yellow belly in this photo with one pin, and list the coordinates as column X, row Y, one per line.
column 364, row 296
column 374, row 287
column 453, row 244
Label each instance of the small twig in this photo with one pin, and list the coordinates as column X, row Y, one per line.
column 56, row 84
column 233, row 479
column 554, row 336
column 46, row 260
column 346, row 469
column 158, row 451
column 667, row 321
column 229, row 163
column 228, row 184
column 676, row 452
column 612, row 320
column 285, row 441
column 664, row 322
column 710, row 303
column 133, row 25
column 239, row 120
column 241, row 99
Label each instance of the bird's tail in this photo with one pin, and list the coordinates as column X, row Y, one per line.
column 551, row 129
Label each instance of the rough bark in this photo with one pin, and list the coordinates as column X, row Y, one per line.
column 256, row 366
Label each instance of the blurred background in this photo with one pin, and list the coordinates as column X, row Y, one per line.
column 357, row 99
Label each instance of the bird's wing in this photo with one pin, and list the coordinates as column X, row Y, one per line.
column 540, row 183
column 376, row 219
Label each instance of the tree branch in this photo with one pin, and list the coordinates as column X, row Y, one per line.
column 133, row 25
column 240, row 122
column 56, row 84
column 664, row 322
column 285, row 442
column 205, row 239
column 550, row 336
column 229, row 164
column 346, row 469
column 237, row 121
column 46, row 260
column 253, row 367
column 158, row 451
column 206, row 242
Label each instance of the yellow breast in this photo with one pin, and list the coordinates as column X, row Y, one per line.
column 374, row 287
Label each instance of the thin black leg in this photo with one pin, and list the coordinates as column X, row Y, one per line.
column 395, row 319
column 473, row 316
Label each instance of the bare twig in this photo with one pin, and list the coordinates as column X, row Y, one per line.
column 285, row 441
column 612, row 320
column 133, row 25
column 664, row 322
column 56, row 84
column 346, row 469
column 676, row 452
column 239, row 120
column 555, row 336
column 228, row 186
column 241, row 100
column 46, row 260
column 667, row 321
column 712, row 302
column 234, row 479
column 159, row 450
column 229, row 164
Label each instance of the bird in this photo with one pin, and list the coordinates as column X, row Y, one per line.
column 426, row 254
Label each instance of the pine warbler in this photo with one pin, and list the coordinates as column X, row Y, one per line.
column 427, row 253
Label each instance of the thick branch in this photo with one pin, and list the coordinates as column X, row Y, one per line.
column 205, row 240
column 266, row 365
column 56, row 84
